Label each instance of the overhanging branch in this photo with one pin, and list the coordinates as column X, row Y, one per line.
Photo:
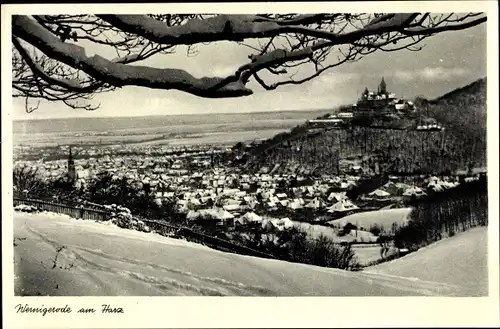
column 70, row 85
column 240, row 27
column 290, row 40
column 118, row 74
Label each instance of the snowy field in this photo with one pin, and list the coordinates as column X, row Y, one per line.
column 383, row 217
column 55, row 255
column 368, row 254
column 315, row 231
column 461, row 260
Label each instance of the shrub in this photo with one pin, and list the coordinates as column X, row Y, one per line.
column 27, row 182
column 294, row 245
column 376, row 229
column 347, row 229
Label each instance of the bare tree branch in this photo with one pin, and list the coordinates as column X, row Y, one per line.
column 57, row 69
column 71, row 85
column 119, row 74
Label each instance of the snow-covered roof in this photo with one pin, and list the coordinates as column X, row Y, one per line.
column 343, row 206
column 379, row 193
column 414, row 191
column 252, row 217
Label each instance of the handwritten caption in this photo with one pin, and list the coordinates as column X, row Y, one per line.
column 44, row 310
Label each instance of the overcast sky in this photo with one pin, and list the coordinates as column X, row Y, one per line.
column 449, row 60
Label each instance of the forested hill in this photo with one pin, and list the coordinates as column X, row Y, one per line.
column 463, row 109
column 476, row 88
column 461, row 145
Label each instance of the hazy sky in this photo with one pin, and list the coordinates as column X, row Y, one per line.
column 448, row 61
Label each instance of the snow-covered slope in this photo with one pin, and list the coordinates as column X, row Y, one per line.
column 460, row 260
column 99, row 259
column 384, row 217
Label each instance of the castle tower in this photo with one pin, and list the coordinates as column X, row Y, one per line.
column 365, row 93
column 71, row 167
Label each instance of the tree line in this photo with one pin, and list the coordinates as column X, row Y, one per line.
column 444, row 214
column 396, row 151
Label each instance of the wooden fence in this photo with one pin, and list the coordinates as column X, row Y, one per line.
column 158, row 226
column 76, row 212
column 207, row 240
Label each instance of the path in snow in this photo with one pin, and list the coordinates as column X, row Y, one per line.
column 104, row 260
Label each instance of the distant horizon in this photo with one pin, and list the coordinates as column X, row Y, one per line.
column 223, row 112
column 173, row 114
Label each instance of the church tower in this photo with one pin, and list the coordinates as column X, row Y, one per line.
column 71, row 167
column 383, row 87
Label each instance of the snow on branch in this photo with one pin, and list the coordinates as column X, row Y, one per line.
column 118, row 74
column 71, row 85
column 241, row 27
column 279, row 42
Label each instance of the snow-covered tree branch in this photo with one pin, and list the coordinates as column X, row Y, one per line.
column 50, row 60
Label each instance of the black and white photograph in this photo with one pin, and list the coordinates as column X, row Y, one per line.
column 339, row 154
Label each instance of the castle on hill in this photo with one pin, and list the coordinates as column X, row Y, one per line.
column 382, row 101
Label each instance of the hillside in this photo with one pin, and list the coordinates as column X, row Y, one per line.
column 465, row 253
column 60, row 256
column 477, row 88
column 461, row 144
column 463, row 110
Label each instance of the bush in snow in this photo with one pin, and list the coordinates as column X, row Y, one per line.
column 139, row 225
column 122, row 217
column 294, row 245
column 376, row 229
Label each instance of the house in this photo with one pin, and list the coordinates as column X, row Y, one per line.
column 240, row 194
column 448, row 185
column 395, row 188
column 271, row 205
column 232, row 202
column 284, row 203
column 414, row 192
column 346, row 185
column 345, row 115
column 231, row 207
column 249, row 217
column 218, row 213
column 315, row 203
column 380, row 195
column 250, row 201
column 168, row 195
column 279, row 224
column 435, row 186
column 295, row 204
column 193, row 203
column 281, row 196
column 337, row 196
column 343, row 206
